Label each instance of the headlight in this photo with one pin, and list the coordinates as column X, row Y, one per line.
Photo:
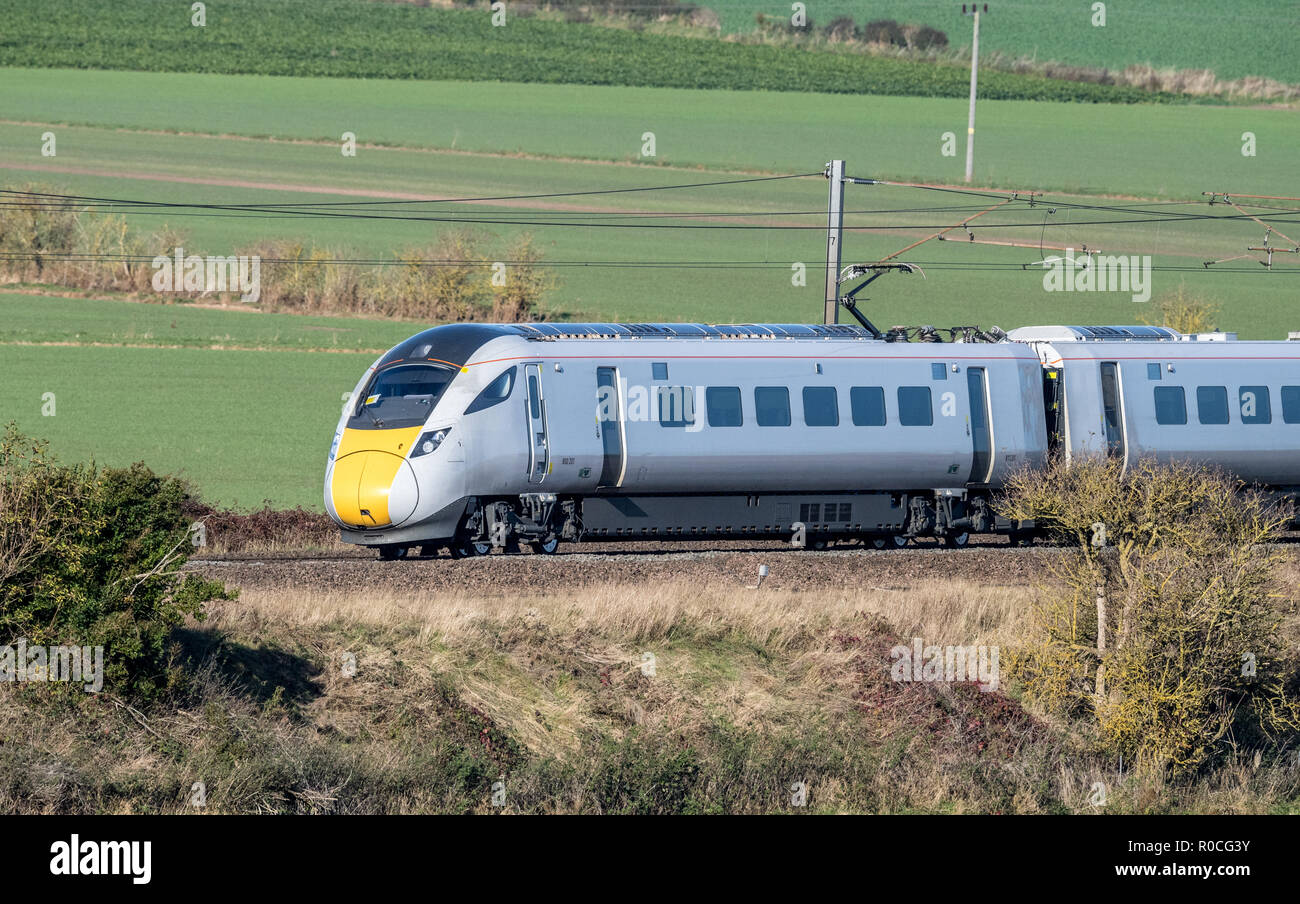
column 429, row 441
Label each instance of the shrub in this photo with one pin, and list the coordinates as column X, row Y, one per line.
column 927, row 38
column 1163, row 626
column 884, row 31
column 92, row 557
column 842, row 28
column 1185, row 312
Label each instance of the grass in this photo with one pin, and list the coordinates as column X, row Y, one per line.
column 1248, row 38
column 245, row 426
column 1090, row 148
column 30, row 319
column 401, row 41
column 492, row 139
column 544, row 693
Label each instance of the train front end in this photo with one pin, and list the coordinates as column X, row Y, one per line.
column 396, row 470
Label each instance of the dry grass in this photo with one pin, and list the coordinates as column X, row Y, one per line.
column 761, row 658
column 544, row 690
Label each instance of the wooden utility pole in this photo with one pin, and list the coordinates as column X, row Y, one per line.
column 974, row 74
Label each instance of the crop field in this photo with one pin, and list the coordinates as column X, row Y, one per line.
column 33, row 319
column 398, row 41
column 205, row 137
column 179, row 138
column 1123, row 150
column 243, row 426
column 1247, row 37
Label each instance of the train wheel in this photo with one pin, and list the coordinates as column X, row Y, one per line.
column 818, row 545
column 892, row 542
column 391, row 552
column 469, row 549
column 956, row 540
column 546, row 547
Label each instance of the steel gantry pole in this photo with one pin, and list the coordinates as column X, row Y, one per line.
column 834, row 228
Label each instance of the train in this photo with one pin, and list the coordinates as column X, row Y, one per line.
column 475, row 437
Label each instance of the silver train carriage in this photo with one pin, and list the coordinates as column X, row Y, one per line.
column 474, row 436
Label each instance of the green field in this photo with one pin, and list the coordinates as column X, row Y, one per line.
column 243, row 426
column 42, row 320
column 403, row 41
column 1147, row 151
column 180, row 386
column 1141, row 150
column 1246, row 37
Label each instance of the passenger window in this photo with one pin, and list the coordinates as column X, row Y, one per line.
column 1212, row 404
column 659, row 370
column 1153, row 371
column 723, row 403
column 914, row 406
column 1254, row 405
column 772, row 406
column 938, row 371
column 1171, row 405
column 1291, row 404
column 494, row 393
column 821, row 407
column 868, row 404
column 676, row 406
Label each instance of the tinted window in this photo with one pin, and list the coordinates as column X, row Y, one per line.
column 534, row 397
column 676, row 406
column 1254, row 405
column 1212, row 404
column 1291, row 404
column 938, row 371
column 1171, row 405
column 1153, row 371
column 914, row 408
column 659, row 370
column 772, row 406
column 868, row 403
column 402, row 396
column 494, row 393
column 821, row 406
column 723, row 403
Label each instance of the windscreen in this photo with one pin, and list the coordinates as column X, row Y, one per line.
column 402, row 396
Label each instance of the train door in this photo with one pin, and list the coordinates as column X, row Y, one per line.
column 539, row 446
column 1112, row 406
column 609, row 413
column 980, row 420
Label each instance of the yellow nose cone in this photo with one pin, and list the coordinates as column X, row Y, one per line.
column 373, row 488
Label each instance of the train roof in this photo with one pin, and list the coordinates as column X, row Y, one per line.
column 455, row 343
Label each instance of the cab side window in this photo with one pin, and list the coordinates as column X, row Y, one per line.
column 494, row 393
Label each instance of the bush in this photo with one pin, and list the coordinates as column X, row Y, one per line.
column 1185, row 312
column 927, row 38
column 884, row 31
column 92, row 557
column 842, row 28
column 1163, row 626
